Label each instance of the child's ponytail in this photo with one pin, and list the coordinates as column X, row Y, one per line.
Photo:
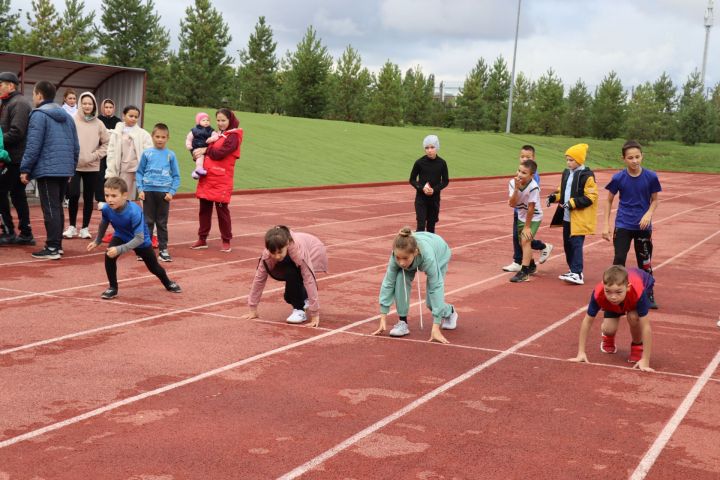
column 277, row 238
column 405, row 241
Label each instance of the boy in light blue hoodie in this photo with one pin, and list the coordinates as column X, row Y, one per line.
column 158, row 178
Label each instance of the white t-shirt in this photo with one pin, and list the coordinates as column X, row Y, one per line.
column 531, row 193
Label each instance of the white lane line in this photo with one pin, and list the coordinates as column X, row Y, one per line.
column 304, row 468
column 658, row 445
column 314, row 462
column 210, row 373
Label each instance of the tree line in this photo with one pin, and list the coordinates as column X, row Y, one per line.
column 309, row 82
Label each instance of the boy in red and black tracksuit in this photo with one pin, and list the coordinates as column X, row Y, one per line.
column 622, row 292
column 429, row 176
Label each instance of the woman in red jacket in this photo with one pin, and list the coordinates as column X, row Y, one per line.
column 216, row 187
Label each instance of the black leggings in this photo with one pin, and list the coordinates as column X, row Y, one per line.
column 89, row 183
column 295, row 293
column 642, row 241
column 148, row 256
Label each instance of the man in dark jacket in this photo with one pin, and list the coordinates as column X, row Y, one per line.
column 14, row 115
column 51, row 155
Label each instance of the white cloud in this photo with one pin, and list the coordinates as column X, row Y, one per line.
column 341, row 27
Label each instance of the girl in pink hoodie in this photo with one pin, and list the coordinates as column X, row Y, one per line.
column 291, row 257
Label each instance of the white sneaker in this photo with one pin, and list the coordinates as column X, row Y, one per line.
column 576, row 278
column 85, row 233
column 564, row 275
column 546, row 252
column 513, row 267
column 101, row 205
column 297, row 316
column 400, row 329
column 70, row 232
column 450, row 323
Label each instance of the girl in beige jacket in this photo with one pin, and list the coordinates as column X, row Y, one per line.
column 127, row 142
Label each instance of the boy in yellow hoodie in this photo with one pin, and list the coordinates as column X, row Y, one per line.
column 577, row 209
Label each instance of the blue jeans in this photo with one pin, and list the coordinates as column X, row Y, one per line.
column 517, row 249
column 573, row 249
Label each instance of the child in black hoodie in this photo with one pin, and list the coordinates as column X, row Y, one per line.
column 429, row 176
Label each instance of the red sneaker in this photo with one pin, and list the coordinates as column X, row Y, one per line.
column 154, row 241
column 199, row 244
column 607, row 345
column 107, row 237
column 226, row 247
column 636, row 353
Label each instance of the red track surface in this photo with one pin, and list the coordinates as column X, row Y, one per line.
column 160, row 386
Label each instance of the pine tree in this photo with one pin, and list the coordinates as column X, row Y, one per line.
column 202, row 72
column 350, row 87
column 644, row 115
column 666, row 96
column 131, row 36
column 77, row 34
column 417, row 96
column 608, row 112
column 43, row 35
column 547, row 104
column 522, row 104
column 386, row 105
column 496, row 95
column 257, row 74
column 305, row 88
column 9, row 26
column 694, row 114
column 715, row 106
column 472, row 108
column 576, row 119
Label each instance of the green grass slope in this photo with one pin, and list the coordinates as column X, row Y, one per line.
column 280, row 151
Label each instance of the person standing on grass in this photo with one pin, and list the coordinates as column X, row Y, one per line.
column 216, row 186
column 621, row 292
column 293, row 258
column 158, row 178
column 14, row 117
column 417, row 252
column 429, row 176
column 110, row 120
column 51, row 156
column 131, row 233
column 638, row 188
column 527, row 152
column 577, row 209
column 93, row 137
column 525, row 199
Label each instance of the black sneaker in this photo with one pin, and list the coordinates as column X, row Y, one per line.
column 109, row 293
column 520, row 277
column 25, row 240
column 164, row 256
column 47, row 253
column 532, row 268
column 8, row 239
column 174, row 288
column 651, row 300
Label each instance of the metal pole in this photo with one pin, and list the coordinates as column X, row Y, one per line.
column 708, row 25
column 512, row 75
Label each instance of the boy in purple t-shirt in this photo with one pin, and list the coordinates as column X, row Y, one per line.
column 638, row 188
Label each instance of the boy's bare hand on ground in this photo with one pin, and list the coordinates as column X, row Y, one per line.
column 91, row 246
column 382, row 326
column 314, row 321
column 436, row 335
column 581, row 357
column 643, row 367
column 250, row 315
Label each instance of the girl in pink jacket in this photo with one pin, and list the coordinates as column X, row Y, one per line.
column 293, row 258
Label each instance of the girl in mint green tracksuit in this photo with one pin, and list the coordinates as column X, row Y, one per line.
column 412, row 252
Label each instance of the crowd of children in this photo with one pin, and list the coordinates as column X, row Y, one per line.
column 131, row 163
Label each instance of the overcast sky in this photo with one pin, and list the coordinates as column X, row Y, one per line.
column 639, row 39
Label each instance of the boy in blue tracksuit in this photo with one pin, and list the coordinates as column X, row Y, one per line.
column 158, row 178
column 131, row 233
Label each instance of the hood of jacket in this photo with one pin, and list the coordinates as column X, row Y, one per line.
column 54, row 111
column 80, row 114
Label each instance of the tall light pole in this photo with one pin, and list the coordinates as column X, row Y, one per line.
column 512, row 75
column 708, row 25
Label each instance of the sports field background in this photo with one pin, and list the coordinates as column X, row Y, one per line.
column 281, row 151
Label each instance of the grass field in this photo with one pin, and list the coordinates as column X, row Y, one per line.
column 287, row 152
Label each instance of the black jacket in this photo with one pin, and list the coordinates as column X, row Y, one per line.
column 14, row 117
column 578, row 198
column 434, row 172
